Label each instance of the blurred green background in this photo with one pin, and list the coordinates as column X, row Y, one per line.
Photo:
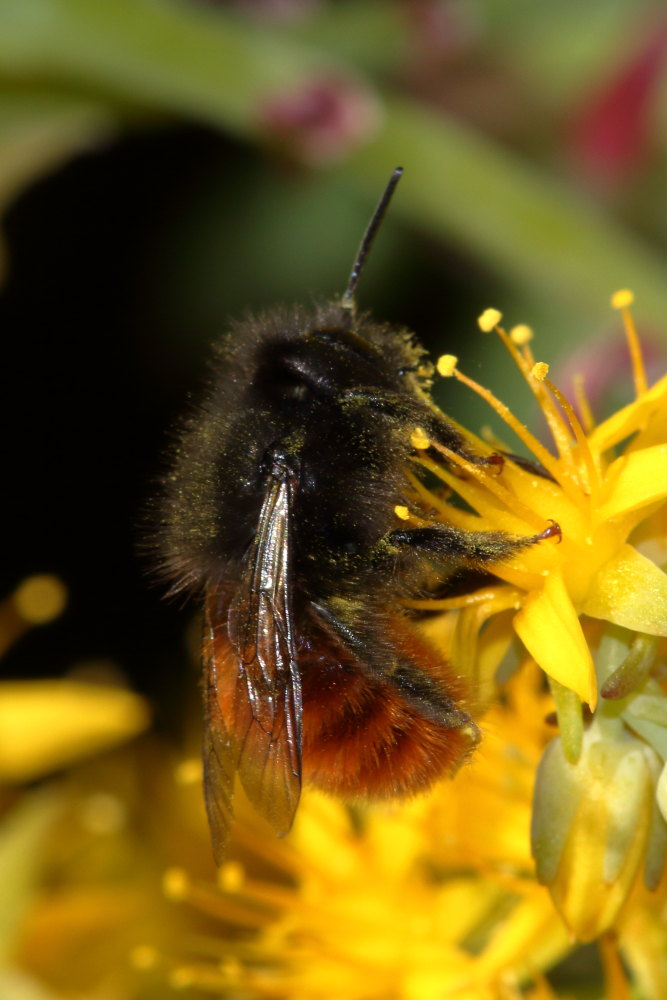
column 165, row 164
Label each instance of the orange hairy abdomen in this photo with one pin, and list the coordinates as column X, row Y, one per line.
column 362, row 737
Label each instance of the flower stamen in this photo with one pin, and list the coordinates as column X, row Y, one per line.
column 622, row 300
column 432, row 499
column 525, row 362
column 583, row 405
column 592, row 472
column 497, row 598
column 239, row 908
column 419, row 439
column 404, row 513
column 492, row 484
column 544, row 457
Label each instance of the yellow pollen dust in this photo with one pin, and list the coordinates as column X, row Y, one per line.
column 540, row 370
column 521, row 334
column 419, row 439
column 622, row 298
column 446, row 365
column 402, row 512
column 489, row 319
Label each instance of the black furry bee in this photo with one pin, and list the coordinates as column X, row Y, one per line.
column 279, row 510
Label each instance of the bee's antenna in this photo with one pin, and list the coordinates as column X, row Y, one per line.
column 347, row 301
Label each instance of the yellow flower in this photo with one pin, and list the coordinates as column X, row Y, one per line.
column 46, row 725
column 589, row 605
column 409, row 901
column 597, row 499
column 442, row 896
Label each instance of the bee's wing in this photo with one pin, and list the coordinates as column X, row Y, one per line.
column 254, row 688
column 218, row 751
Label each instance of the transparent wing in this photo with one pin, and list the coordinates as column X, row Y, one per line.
column 254, row 690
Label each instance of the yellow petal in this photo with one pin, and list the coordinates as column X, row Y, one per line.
column 661, row 792
column 655, row 432
column 549, row 628
column 630, row 590
column 23, row 831
column 530, row 937
column 45, row 725
column 631, row 418
column 18, row 985
column 635, row 480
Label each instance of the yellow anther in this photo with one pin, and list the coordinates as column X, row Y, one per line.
column 540, row 371
column 40, row 599
column 144, row 956
column 419, row 439
column 489, row 319
column 231, row 876
column 622, row 298
column 188, row 772
column 402, row 512
column 521, row 334
column 231, row 969
column 182, row 978
column 175, row 883
column 446, row 365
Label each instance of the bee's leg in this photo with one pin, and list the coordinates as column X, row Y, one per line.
column 437, row 427
column 472, row 549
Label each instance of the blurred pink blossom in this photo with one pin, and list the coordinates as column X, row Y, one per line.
column 610, row 139
column 321, row 121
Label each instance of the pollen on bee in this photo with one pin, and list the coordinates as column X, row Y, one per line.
column 489, row 319
column 446, row 365
column 419, row 439
column 471, row 733
column 540, row 370
column 402, row 512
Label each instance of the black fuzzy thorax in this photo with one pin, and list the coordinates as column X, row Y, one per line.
column 309, row 385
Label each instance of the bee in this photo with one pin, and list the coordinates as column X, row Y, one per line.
column 279, row 509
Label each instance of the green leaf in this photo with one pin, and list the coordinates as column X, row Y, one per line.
column 460, row 186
